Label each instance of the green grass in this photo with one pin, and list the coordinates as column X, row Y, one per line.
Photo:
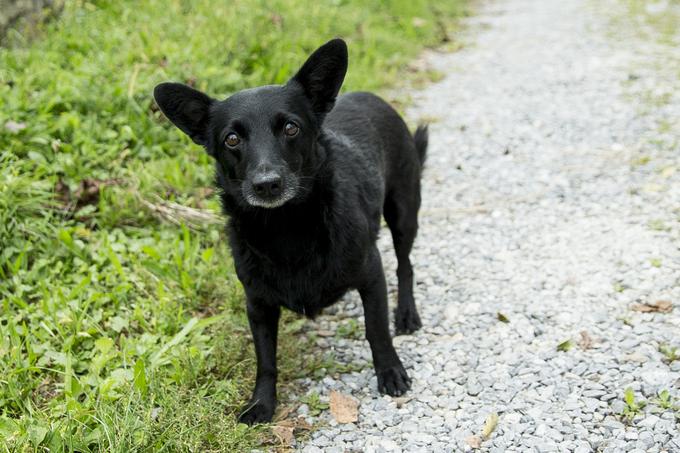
column 670, row 353
column 313, row 401
column 664, row 400
column 121, row 330
column 659, row 24
column 633, row 407
column 653, row 22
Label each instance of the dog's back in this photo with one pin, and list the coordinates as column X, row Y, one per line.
column 366, row 119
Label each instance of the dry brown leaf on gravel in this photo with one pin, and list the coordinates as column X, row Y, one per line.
column 488, row 429
column 585, row 342
column 285, row 429
column 284, row 434
column 474, row 442
column 298, row 424
column 490, row 425
column 344, row 408
column 660, row 306
column 282, row 413
column 301, row 424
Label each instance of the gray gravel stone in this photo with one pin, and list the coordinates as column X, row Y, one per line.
column 474, row 388
column 646, row 440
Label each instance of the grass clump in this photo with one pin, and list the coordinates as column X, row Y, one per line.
column 670, row 353
column 632, row 407
column 122, row 322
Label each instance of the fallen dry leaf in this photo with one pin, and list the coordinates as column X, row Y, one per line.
column 285, row 429
column 276, row 19
column 344, row 408
column 585, row 342
column 474, row 442
column 298, row 423
column 660, row 306
column 301, row 424
column 87, row 192
column 490, row 425
column 284, row 434
column 282, row 413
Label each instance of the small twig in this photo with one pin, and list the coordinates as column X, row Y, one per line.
column 133, row 81
column 178, row 214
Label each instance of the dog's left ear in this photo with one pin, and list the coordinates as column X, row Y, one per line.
column 322, row 75
column 187, row 108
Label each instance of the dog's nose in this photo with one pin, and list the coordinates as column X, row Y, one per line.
column 267, row 185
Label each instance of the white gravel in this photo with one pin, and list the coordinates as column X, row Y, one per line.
column 551, row 197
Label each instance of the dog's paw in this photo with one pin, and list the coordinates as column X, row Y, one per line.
column 406, row 321
column 256, row 412
column 393, row 381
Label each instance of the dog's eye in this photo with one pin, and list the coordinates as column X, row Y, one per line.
column 291, row 129
column 232, row 140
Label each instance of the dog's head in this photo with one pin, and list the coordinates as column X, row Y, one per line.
column 263, row 139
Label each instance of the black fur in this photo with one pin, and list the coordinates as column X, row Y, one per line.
column 304, row 209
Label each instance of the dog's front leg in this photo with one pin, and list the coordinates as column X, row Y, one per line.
column 392, row 378
column 264, row 324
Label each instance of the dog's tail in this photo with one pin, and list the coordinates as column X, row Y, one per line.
column 420, row 138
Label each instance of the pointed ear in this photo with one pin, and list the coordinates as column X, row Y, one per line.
column 322, row 74
column 187, row 108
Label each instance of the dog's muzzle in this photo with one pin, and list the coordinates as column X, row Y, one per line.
column 269, row 190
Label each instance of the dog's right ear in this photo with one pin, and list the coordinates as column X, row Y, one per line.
column 322, row 75
column 187, row 108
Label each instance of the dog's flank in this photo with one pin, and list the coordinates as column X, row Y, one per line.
column 305, row 177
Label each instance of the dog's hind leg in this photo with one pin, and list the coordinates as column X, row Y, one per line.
column 401, row 214
column 392, row 378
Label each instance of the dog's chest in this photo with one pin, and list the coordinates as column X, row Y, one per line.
column 311, row 302
column 304, row 275
column 305, row 285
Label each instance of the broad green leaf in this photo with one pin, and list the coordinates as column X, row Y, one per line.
column 629, row 397
column 36, row 434
column 565, row 346
column 207, row 254
column 104, row 344
column 140, row 376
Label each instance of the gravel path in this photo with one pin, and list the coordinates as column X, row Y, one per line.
column 551, row 197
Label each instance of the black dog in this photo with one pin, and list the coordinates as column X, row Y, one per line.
column 304, row 181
